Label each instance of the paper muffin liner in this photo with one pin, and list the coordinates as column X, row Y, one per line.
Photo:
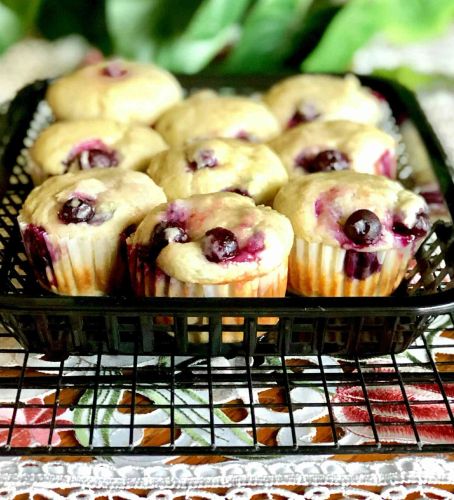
column 317, row 269
column 150, row 281
column 35, row 171
column 78, row 265
column 386, row 165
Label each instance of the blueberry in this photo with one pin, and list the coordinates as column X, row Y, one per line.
column 363, row 227
column 422, row 225
column 93, row 158
column 169, row 232
column 242, row 135
column 114, row 70
column 420, row 228
column 76, row 210
column 163, row 234
column 325, row 161
column 308, row 114
column 220, row 245
column 204, row 159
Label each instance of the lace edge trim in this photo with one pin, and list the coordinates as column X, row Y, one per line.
column 398, row 471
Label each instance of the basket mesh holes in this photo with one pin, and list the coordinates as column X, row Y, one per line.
column 12, row 210
column 58, row 326
column 129, row 329
column 95, row 329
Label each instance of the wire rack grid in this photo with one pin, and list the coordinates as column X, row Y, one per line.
column 262, row 405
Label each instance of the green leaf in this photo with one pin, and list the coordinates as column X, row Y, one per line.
column 268, row 35
column 129, row 26
column 213, row 26
column 350, row 29
column 213, row 16
column 186, row 55
column 57, row 19
column 181, row 36
column 413, row 20
column 408, row 77
column 11, row 28
column 138, row 28
column 398, row 20
column 26, row 10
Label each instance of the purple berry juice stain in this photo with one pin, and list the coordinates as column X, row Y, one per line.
column 241, row 191
column 114, row 69
column 386, row 165
column 308, row 113
column 329, row 160
column 91, row 154
column 360, row 265
column 204, row 158
column 40, row 253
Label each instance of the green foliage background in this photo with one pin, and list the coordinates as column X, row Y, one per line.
column 228, row 36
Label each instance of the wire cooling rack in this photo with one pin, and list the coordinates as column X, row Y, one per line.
column 111, row 405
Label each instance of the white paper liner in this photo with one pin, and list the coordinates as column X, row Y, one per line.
column 83, row 266
column 317, row 269
column 35, row 171
column 147, row 282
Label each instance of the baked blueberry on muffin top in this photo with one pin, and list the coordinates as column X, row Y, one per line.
column 124, row 91
column 207, row 115
column 354, row 233
column 72, row 227
column 213, row 238
column 213, row 165
column 336, row 145
column 85, row 144
column 305, row 98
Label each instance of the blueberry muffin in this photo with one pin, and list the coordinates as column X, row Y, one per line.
column 119, row 90
column 206, row 115
column 354, row 233
column 304, row 98
column 336, row 145
column 212, row 245
column 213, row 165
column 85, row 144
column 72, row 227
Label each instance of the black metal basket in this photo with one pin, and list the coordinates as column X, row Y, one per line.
column 59, row 326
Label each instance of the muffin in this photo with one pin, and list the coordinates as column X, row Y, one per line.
column 211, row 245
column 304, row 98
column 119, row 90
column 212, row 165
column 206, row 115
column 85, row 144
column 72, row 227
column 354, row 233
column 337, row 145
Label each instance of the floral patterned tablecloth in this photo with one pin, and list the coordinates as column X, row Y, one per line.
column 169, row 477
